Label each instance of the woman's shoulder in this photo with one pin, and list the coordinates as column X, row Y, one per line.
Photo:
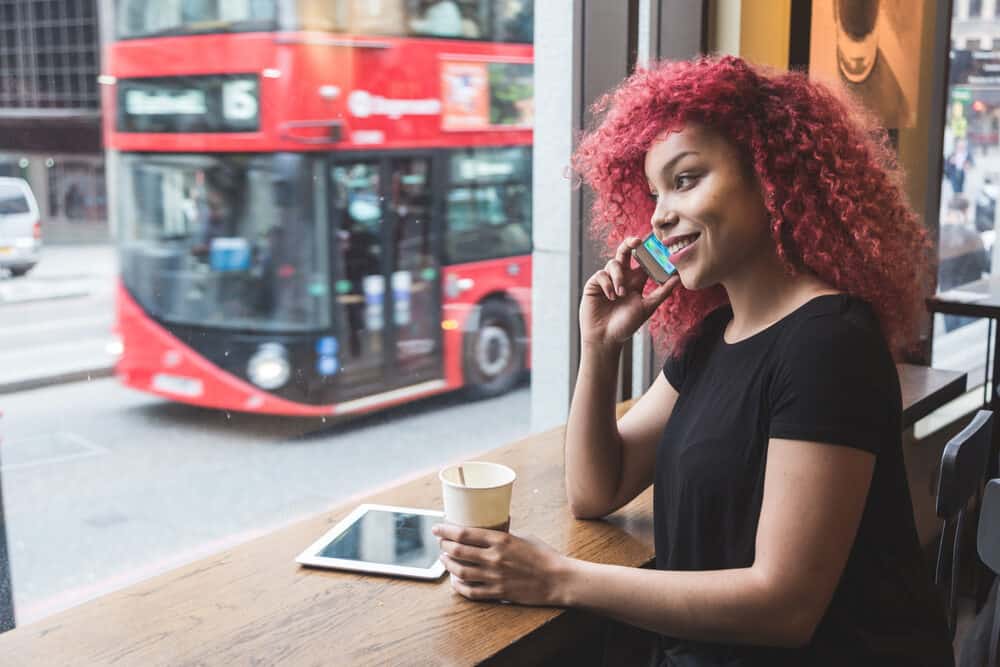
column 840, row 326
column 840, row 312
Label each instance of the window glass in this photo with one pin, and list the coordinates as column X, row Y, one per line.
column 141, row 18
column 12, row 199
column 489, row 20
column 76, row 191
column 489, row 205
column 513, row 21
column 970, row 186
column 269, row 272
column 219, row 240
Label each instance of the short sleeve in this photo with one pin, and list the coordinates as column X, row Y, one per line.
column 674, row 369
column 836, row 383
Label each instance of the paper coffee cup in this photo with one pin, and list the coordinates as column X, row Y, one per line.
column 484, row 500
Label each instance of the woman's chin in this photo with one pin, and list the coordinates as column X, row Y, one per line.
column 689, row 279
column 694, row 280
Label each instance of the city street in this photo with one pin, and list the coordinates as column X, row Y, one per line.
column 56, row 321
column 104, row 486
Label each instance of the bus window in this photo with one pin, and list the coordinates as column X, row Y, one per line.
column 205, row 242
column 357, row 258
column 141, row 18
column 489, row 205
column 415, row 276
column 486, row 20
column 513, row 21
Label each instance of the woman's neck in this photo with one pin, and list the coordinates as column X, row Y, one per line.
column 764, row 292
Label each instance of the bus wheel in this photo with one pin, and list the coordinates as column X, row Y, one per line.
column 493, row 354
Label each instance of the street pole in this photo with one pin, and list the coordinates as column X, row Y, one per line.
column 6, row 593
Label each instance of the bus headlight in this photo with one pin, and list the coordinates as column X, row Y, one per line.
column 115, row 347
column 269, row 367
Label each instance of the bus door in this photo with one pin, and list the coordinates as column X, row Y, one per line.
column 386, row 273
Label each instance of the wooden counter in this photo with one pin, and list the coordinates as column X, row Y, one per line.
column 254, row 605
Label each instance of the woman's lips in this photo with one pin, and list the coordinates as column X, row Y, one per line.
column 683, row 252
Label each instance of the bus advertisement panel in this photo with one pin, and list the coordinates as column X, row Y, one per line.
column 321, row 208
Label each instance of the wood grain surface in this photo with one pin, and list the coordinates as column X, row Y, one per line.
column 926, row 389
column 254, row 605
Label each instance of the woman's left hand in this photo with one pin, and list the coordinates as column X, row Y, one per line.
column 493, row 565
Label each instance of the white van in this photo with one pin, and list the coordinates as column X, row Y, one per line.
column 20, row 227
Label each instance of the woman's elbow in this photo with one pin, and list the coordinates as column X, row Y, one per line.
column 793, row 614
column 797, row 632
column 800, row 632
column 583, row 510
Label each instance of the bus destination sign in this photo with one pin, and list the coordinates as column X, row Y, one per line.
column 229, row 103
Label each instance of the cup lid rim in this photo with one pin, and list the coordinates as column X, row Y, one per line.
column 490, row 463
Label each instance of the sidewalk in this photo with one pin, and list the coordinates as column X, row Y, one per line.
column 56, row 322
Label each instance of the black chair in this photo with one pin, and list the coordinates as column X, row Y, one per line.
column 988, row 541
column 981, row 643
column 963, row 472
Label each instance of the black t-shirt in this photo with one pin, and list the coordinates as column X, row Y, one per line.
column 821, row 374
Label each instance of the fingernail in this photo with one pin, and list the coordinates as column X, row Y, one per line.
column 621, row 291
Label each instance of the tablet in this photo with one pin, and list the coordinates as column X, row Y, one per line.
column 380, row 539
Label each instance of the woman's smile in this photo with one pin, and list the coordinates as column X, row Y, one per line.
column 680, row 246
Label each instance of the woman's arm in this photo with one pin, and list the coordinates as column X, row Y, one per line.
column 814, row 496
column 608, row 463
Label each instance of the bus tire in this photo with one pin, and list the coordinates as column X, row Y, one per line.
column 493, row 354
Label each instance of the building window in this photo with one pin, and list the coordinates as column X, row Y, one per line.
column 48, row 55
column 975, row 8
column 76, row 190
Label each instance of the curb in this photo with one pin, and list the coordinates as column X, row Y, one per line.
column 56, row 378
column 48, row 297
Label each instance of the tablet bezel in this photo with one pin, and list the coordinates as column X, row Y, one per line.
column 311, row 558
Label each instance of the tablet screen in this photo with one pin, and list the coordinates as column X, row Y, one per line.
column 390, row 538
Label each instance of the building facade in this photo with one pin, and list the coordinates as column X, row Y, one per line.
column 50, row 114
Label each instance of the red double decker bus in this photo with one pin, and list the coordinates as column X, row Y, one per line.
column 322, row 206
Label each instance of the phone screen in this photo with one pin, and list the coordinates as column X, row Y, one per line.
column 659, row 253
column 655, row 259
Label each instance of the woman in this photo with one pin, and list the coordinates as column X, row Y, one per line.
column 783, row 523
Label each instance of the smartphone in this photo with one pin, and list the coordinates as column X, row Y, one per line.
column 655, row 259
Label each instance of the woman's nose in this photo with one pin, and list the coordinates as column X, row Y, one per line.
column 663, row 217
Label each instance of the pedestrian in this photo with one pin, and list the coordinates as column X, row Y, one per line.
column 957, row 165
column 783, row 524
column 438, row 18
column 962, row 257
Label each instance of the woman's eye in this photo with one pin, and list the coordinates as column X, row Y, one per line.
column 684, row 181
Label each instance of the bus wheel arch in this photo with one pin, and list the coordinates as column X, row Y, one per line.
column 493, row 354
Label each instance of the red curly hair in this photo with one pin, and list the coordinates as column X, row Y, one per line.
column 829, row 178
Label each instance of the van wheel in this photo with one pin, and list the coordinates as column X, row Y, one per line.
column 18, row 271
column 493, row 355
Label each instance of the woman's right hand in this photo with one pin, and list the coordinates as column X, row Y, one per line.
column 613, row 305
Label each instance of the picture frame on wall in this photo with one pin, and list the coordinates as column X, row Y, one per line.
column 862, row 45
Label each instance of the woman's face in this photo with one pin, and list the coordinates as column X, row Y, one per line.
column 709, row 209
